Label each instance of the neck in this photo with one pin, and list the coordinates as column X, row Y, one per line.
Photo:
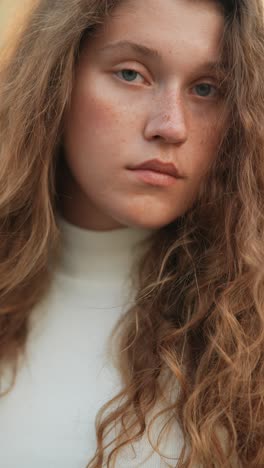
column 89, row 253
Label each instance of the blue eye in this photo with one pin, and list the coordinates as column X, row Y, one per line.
column 205, row 88
column 129, row 75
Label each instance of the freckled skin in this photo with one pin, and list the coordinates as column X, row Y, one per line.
column 113, row 123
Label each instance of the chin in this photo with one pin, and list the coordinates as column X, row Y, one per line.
column 146, row 223
column 144, row 216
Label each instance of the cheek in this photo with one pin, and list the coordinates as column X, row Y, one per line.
column 202, row 151
column 207, row 138
column 98, row 124
column 97, row 107
column 87, row 138
column 92, row 116
column 92, row 131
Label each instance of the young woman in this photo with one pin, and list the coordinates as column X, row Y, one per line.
column 165, row 259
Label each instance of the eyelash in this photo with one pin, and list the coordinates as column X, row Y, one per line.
column 131, row 69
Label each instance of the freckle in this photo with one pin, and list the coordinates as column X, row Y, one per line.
column 166, row 118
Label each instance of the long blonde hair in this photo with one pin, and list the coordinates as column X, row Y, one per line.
column 198, row 314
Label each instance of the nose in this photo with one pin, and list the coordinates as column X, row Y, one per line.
column 168, row 121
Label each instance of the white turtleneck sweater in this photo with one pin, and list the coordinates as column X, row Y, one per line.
column 48, row 419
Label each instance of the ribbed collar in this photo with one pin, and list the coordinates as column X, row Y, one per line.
column 98, row 255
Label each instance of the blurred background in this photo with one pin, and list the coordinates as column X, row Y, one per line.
column 9, row 10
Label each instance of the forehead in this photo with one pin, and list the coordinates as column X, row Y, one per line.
column 167, row 26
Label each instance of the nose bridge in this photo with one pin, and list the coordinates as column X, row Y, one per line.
column 168, row 118
column 171, row 107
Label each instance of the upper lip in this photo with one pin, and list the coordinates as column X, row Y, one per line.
column 159, row 166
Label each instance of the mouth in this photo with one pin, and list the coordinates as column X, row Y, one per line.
column 157, row 172
column 154, row 177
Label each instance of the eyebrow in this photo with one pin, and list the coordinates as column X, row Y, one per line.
column 140, row 49
column 154, row 55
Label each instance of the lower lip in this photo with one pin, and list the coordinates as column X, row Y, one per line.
column 154, row 178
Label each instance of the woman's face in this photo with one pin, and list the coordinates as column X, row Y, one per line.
column 131, row 104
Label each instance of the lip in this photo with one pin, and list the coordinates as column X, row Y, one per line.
column 153, row 178
column 158, row 166
column 157, row 173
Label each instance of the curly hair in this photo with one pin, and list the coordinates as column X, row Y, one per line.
column 197, row 321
